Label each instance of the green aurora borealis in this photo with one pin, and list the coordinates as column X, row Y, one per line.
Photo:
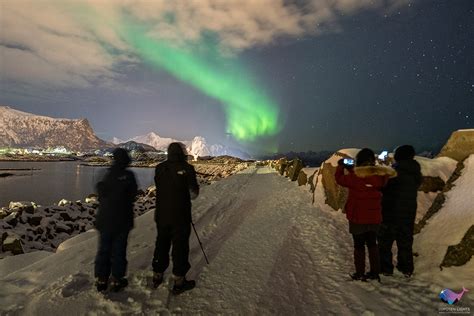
column 250, row 113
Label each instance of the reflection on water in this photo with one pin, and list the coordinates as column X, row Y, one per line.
column 56, row 181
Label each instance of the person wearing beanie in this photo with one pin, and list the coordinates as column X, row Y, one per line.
column 176, row 185
column 363, row 208
column 399, row 205
column 114, row 220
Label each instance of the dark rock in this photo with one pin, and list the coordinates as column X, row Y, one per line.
column 3, row 236
column 302, row 178
column 39, row 230
column 64, row 229
column 12, row 219
column 431, row 184
column 35, row 220
column 65, row 216
column 461, row 253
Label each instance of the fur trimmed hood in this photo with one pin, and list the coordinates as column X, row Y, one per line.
column 368, row 171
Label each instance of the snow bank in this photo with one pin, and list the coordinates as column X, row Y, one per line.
column 447, row 227
column 442, row 167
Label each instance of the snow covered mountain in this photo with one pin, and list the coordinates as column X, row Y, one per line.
column 21, row 129
column 197, row 147
column 152, row 139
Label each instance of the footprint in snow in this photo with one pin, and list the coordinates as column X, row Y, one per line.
column 80, row 282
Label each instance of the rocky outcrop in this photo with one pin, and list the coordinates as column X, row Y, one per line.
column 459, row 146
column 461, row 253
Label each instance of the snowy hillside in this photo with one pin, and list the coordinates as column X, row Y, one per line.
column 271, row 252
column 21, row 129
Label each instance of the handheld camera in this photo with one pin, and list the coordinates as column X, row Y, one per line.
column 383, row 155
column 348, row 162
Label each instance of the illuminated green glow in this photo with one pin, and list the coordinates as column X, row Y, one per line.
column 250, row 113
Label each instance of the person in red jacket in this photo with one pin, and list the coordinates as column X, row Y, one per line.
column 363, row 208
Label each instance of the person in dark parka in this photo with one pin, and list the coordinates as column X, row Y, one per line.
column 399, row 205
column 114, row 220
column 176, row 185
column 363, row 208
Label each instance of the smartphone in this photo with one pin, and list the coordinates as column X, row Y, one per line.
column 383, row 155
column 348, row 161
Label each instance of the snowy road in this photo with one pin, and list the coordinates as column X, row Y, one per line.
column 270, row 252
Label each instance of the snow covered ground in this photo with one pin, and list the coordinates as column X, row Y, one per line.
column 271, row 252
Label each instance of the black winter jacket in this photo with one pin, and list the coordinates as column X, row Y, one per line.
column 175, row 181
column 117, row 192
column 400, row 195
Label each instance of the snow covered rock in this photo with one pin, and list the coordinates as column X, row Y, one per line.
column 335, row 194
column 28, row 207
column 13, row 244
column 459, row 145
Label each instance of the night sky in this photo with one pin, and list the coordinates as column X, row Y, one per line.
column 262, row 75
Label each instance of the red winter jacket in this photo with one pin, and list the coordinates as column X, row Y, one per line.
column 363, row 204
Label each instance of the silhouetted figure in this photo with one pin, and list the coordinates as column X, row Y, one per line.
column 117, row 191
column 399, row 212
column 363, row 208
column 176, row 185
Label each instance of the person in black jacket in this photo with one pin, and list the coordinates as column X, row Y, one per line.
column 176, row 185
column 399, row 205
column 114, row 220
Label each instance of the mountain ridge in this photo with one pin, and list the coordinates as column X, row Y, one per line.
column 23, row 129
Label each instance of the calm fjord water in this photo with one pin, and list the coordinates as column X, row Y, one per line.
column 55, row 181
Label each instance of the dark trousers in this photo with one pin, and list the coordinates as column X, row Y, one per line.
column 402, row 234
column 368, row 239
column 111, row 255
column 178, row 237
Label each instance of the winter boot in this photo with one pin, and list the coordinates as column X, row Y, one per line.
column 116, row 284
column 181, row 285
column 157, row 279
column 358, row 277
column 101, row 283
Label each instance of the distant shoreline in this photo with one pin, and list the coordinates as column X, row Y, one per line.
column 5, row 159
